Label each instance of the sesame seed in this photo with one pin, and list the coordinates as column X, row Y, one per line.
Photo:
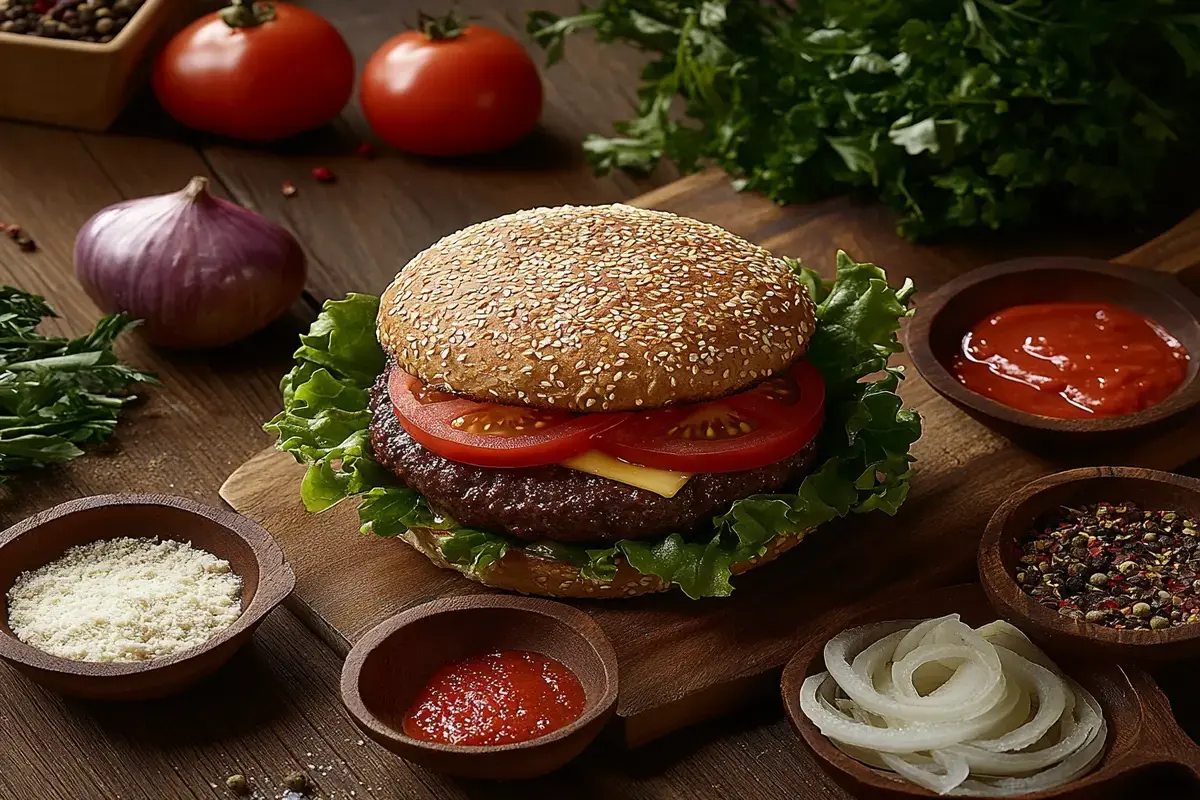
column 576, row 293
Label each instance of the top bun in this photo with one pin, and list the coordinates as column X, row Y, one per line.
column 594, row 308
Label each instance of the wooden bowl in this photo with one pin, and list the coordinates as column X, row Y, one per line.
column 82, row 84
column 998, row 556
column 935, row 334
column 248, row 548
column 392, row 663
column 1142, row 731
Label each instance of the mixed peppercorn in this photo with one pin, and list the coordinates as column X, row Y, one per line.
column 297, row 786
column 96, row 21
column 1115, row 564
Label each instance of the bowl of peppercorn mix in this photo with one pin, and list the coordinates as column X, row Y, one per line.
column 77, row 62
column 1100, row 562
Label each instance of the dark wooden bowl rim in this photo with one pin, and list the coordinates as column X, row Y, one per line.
column 932, row 369
column 998, row 581
column 580, row 624
column 275, row 583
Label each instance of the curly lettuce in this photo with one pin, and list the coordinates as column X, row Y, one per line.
column 863, row 464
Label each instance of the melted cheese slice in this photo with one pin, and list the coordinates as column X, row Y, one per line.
column 659, row 481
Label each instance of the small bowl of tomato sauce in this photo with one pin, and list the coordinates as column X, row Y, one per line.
column 484, row 686
column 1061, row 345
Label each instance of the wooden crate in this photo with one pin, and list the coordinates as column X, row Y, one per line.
column 81, row 84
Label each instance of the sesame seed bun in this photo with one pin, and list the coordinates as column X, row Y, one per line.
column 594, row 308
column 524, row 572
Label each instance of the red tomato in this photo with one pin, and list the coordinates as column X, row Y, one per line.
column 451, row 91
column 768, row 423
column 259, row 81
column 489, row 434
column 744, row 431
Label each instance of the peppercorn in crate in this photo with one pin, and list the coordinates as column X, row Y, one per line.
column 54, row 75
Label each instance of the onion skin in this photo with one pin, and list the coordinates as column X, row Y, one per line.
column 200, row 271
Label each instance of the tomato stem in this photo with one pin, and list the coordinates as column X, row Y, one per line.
column 247, row 13
column 450, row 26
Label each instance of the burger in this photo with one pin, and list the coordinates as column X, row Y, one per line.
column 603, row 401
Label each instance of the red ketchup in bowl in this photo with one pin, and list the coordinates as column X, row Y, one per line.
column 1071, row 360
column 498, row 698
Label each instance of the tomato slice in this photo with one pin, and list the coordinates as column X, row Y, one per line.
column 766, row 424
column 490, row 434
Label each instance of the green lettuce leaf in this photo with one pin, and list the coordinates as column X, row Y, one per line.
column 325, row 417
column 863, row 465
column 474, row 549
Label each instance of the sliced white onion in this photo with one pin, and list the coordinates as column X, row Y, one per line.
column 969, row 675
column 1073, row 766
column 953, row 772
column 960, row 711
column 973, row 690
column 914, row 636
column 817, row 702
column 928, row 677
column 985, row 762
column 1051, row 692
column 1016, row 716
column 1009, row 636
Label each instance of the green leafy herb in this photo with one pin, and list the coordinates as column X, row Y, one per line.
column 956, row 113
column 56, row 393
column 864, row 459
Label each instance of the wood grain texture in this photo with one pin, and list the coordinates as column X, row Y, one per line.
column 676, row 655
column 274, row 707
column 1177, row 255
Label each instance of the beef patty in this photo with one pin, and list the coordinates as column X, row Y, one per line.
column 566, row 505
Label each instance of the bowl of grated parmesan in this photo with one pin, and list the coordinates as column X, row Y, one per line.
column 125, row 597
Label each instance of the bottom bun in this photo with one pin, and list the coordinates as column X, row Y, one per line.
column 524, row 572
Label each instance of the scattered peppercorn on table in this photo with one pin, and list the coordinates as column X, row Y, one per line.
column 271, row 721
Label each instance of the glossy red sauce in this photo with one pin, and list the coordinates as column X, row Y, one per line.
column 1071, row 360
column 498, row 698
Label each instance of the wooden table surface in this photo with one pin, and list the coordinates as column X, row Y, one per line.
column 275, row 708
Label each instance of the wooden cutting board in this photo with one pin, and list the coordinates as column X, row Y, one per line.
column 682, row 661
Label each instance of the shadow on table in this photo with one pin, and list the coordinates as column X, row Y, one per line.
column 606, row 769
column 234, row 701
column 545, row 149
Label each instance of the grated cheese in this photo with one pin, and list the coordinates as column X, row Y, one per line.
column 124, row 599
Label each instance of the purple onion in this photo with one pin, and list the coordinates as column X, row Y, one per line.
column 201, row 271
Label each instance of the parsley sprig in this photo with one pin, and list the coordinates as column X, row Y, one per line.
column 956, row 113
column 56, row 393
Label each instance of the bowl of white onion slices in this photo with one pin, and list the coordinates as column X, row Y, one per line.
column 945, row 706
